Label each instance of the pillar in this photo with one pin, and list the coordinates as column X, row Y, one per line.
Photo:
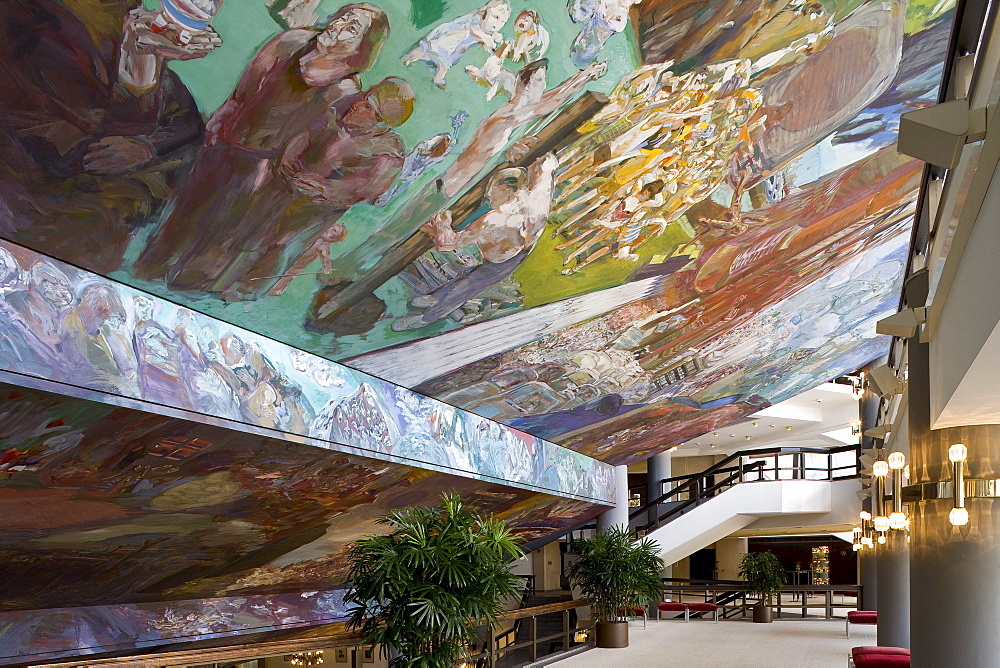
column 619, row 514
column 657, row 468
column 729, row 555
column 892, row 562
column 954, row 570
column 868, row 578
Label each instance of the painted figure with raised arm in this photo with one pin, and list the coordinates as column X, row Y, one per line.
column 531, row 102
column 520, row 200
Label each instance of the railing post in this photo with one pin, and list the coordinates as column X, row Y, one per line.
column 565, row 617
column 491, row 644
column 534, row 638
column 829, row 604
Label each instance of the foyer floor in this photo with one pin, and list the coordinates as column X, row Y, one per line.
column 804, row 643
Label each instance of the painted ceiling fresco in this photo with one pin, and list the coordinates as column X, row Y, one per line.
column 130, row 627
column 105, row 505
column 614, row 225
column 98, row 338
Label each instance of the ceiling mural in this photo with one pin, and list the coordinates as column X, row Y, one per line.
column 580, row 219
column 40, row 635
column 104, row 505
column 98, row 338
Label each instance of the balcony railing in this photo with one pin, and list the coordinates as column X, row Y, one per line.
column 746, row 466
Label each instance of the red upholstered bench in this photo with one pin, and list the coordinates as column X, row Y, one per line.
column 874, row 649
column 705, row 607
column 861, row 617
column 880, row 657
column 671, row 606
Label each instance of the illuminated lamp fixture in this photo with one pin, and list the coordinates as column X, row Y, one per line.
column 881, row 539
column 858, row 385
column 306, row 658
column 856, row 543
column 880, row 470
column 957, row 454
column 897, row 463
column 581, row 636
column 635, row 501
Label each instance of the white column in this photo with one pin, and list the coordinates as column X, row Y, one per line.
column 619, row 514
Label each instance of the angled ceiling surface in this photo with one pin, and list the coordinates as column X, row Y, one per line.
column 612, row 225
column 106, row 505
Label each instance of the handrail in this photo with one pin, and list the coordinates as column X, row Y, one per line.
column 699, row 488
column 491, row 653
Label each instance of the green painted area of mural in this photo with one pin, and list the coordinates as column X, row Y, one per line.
column 544, row 283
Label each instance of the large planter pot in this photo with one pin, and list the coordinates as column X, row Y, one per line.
column 612, row 635
column 762, row 614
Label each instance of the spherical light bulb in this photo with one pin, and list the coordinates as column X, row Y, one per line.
column 881, row 540
column 865, row 515
column 897, row 460
column 958, row 452
column 881, row 523
column 959, row 517
column 897, row 521
column 880, row 468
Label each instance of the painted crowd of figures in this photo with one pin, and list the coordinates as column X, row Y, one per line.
column 62, row 324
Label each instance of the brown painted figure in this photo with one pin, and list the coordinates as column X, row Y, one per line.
column 290, row 84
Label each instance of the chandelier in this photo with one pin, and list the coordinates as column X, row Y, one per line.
column 306, row 658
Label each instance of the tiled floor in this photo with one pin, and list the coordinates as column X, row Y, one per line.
column 730, row 644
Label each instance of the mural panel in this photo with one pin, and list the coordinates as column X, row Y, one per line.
column 40, row 635
column 104, row 505
column 94, row 335
column 597, row 200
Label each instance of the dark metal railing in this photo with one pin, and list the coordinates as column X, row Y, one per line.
column 782, row 463
column 732, row 600
column 499, row 646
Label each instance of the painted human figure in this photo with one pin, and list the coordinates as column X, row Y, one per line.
column 520, row 201
column 97, row 338
column 602, row 19
column 289, row 85
column 531, row 40
column 447, row 43
column 494, row 75
column 531, row 102
column 32, row 308
column 161, row 360
column 352, row 155
column 86, row 158
column 181, row 30
column 424, row 155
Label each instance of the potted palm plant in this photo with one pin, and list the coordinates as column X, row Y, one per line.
column 419, row 591
column 615, row 572
column 764, row 576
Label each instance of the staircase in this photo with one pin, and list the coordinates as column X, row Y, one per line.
column 772, row 488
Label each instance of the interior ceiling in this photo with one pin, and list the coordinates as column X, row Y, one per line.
column 716, row 235
column 106, row 505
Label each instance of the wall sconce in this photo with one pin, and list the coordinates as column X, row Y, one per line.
column 897, row 518
column 957, row 454
column 866, row 521
column 858, row 385
column 880, row 470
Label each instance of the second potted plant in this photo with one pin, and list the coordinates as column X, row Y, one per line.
column 615, row 572
column 764, row 576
